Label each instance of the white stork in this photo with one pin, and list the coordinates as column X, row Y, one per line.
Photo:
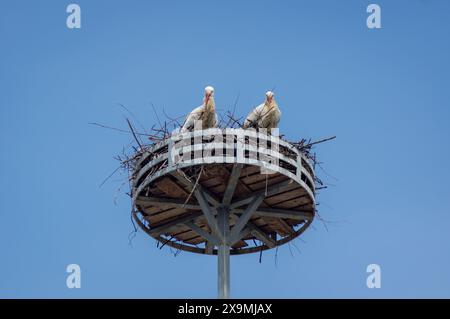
column 205, row 113
column 267, row 115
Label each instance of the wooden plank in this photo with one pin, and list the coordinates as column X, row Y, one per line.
column 284, row 196
column 170, row 188
column 280, row 213
column 250, row 169
column 153, row 210
column 258, row 177
column 279, row 225
column 218, row 190
column 277, row 178
column 212, row 182
column 287, row 184
column 178, row 230
column 190, row 185
column 273, row 189
column 258, row 221
column 166, row 215
column 214, row 171
column 239, row 244
column 191, row 238
column 166, row 226
column 290, row 203
column 195, row 241
column 165, row 202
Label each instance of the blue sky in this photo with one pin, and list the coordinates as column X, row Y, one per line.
column 384, row 93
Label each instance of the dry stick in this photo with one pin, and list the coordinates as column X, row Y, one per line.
column 173, row 119
column 109, row 176
column 170, row 239
column 133, row 116
column 317, row 142
column 134, row 225
column 295, row 246
column 235, row 103
column 156, row 114
column 117, row 192
column 260, row 253
column 231, row 116
column 276, row 257
column 119, row 167
column 115, row 129
column 290, row 249
column 134, row 135
column 193, row 188
column 324, row 222
column 165, row 130
column 221, row 120
column 323, row 170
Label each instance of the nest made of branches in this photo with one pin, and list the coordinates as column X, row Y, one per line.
column 144, row 139
column 163, row 130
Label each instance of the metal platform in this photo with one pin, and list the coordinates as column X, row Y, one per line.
column 220, row 192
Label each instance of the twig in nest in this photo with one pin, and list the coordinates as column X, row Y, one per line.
column 109, row 176
column 290, row 249
column 295, row 246
column 234, row 122
column 174, row 119
column 317, row 142
column 115, row 128
column 324, row 222
column 117, row 193
column 133, row 116
column 170, row 238
column 156, row 114
column 134, row 134
column 260, row 253
column 276, row 257
column 193, row 188
column 134, row 231
column 328, row 174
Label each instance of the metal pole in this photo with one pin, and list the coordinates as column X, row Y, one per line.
column 224, row 271
column 223, row 255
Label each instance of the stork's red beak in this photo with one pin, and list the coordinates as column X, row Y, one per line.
column 207, row 98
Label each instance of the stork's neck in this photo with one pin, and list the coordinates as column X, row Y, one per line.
column 272, row 104
column 211, row 105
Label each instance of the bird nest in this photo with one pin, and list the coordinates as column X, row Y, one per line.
column 167, row 194
column 177, row 201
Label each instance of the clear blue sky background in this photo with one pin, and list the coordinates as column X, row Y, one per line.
column 384, row 93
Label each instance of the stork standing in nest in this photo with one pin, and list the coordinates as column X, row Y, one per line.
column 267, row 115
column 205, row 113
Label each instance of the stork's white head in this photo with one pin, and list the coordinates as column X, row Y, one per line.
column 209, row 92
column 269, row 96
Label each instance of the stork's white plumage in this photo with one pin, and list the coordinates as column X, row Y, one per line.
column 266, row 115
column 205, row 113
